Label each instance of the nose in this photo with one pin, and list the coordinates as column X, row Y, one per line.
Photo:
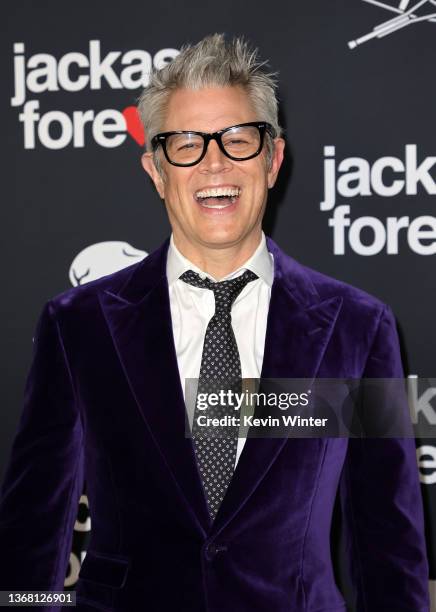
column 214, row 161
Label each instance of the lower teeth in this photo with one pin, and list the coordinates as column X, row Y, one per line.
column 219, row 206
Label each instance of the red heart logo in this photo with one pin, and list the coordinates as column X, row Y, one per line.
column 133, row 124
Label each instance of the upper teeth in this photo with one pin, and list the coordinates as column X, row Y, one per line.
column 218, row 191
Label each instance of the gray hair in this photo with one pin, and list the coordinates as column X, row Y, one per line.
column 212, row 62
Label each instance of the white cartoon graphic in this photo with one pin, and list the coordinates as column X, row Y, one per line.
column 405, row 16
column 102, row 258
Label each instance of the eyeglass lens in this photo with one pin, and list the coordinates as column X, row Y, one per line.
column 237, row 142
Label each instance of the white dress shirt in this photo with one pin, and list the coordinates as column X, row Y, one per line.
column 193, row 307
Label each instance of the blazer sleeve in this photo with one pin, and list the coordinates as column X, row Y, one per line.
column 382, row 504
column 44, row 477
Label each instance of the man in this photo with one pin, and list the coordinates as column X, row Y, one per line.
column 204, row 523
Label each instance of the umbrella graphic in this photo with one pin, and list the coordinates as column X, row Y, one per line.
column 406, row 16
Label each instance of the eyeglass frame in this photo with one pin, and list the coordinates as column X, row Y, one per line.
column 262, row 126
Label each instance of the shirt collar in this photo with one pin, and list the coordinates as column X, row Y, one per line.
column 261, row 263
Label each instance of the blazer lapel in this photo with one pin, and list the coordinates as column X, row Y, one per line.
column 139, row 320
column 138, row 315
column 299, row 327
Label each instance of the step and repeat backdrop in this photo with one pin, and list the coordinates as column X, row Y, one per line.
column 356, row 198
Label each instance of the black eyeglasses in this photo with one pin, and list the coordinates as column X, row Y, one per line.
column 239, row 142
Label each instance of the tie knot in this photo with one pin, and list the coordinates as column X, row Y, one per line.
column 225, row 292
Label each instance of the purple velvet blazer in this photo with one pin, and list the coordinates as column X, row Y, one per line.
column 103, row 402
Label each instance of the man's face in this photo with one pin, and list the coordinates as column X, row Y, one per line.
column 212, row 222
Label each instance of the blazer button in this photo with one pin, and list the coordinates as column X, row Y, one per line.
column 212, row 550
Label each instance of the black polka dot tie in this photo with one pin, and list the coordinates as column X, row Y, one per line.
column 220, row 369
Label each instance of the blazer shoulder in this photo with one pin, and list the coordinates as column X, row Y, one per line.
column 314, row 286
column 361, row 313
column 357, row 304
column 328, row 286
column 83, row 296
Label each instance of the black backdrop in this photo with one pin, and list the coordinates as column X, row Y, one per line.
column 72, row 200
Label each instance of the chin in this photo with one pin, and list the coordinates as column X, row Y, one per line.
column 221, row 238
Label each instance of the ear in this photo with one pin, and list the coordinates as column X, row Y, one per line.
column 276, row 161
column 149, row 166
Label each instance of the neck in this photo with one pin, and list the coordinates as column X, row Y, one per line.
column 220, row 260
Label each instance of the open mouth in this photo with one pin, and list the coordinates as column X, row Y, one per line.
column 217, row 197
